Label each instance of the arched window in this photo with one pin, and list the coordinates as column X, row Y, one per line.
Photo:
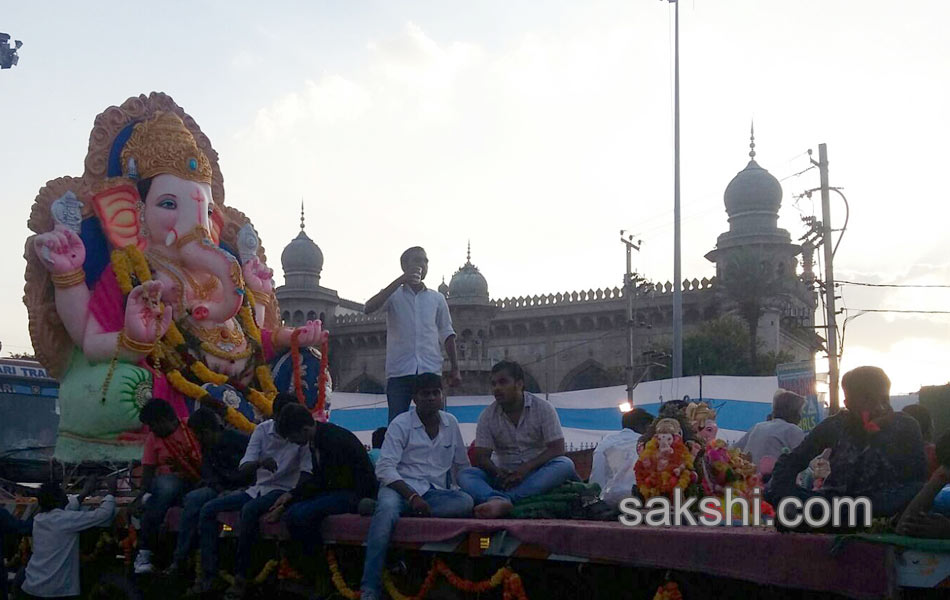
column 311, row 316
column 298, row 317
column 587, row 376
column 364, row 384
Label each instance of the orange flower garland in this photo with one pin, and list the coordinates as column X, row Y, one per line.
column 668, row 591
column 512, row 586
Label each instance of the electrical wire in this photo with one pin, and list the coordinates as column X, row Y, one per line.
column 892, row 285
column 847, row 217
column 906, row 312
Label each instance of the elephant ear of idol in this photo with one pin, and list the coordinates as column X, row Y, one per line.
column 94, row 190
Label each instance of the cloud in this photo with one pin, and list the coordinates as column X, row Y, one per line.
column 333, row 100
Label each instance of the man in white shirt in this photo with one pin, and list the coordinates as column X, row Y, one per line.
column 524, row 433
column 417, row 322
column 279, row 453
column 616, row 455
column 422, row 448
column 53, row 570
column 767, row 441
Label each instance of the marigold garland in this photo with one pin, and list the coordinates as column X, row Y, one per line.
column 261, row 402
column 512, row 586
column 196, row 392
column 653, row 483
column 668, row 591
column 266, row 379
column 128, row 544
column 207, row 375
column 139, row 264
column 122, row 269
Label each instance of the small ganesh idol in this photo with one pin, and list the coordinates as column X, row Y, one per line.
column 703, row 421
column 719, row 466
column 665, row 463
column 141, row 282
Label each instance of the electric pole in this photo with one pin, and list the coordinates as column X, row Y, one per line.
column 677, row 261
column 830, row 314
column 629, row 288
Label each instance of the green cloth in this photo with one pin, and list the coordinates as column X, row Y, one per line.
column 563, row 502
column 922, row 544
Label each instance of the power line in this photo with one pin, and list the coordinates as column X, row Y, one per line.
column 914, row 312
column 893, row 285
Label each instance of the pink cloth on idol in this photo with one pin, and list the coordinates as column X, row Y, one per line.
column 107, row 306
column 267, row 342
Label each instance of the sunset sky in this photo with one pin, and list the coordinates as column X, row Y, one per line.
column 537, row 130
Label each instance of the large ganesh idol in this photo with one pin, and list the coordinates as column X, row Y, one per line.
column 142, row 283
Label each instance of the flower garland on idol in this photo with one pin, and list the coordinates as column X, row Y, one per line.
column 172, row 354
column 659, row 471
column 652, row 482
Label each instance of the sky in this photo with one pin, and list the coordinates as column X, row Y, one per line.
column 536, row 130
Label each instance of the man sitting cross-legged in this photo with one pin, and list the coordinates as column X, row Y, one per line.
column 525, row 434
column 420, row 449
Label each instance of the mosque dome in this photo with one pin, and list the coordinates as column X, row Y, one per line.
column 302, row 255
column 302, row 259
column 753, row 189
column 468, row 281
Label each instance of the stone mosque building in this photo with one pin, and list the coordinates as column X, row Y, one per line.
column 568, row 340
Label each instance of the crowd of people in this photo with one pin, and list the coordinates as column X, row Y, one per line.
column 299, row 471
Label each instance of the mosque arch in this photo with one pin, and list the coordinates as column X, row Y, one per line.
column 588, row 375
column 364, row 384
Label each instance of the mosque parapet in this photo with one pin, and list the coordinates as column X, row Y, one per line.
column 600, row 295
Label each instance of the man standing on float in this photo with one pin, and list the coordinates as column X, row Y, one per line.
column 417, row 322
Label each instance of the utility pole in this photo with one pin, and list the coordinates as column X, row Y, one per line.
column 629, row 288
column 677, row 259
column 829, row 279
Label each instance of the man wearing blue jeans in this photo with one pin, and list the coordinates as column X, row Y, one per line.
column 342, row 476
column 221, row 453
column 525, row 434
column 279, row 455
column 417, row 322
column 422, row 447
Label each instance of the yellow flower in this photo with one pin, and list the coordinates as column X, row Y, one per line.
column 173, row 336
column 260, row 402
column 207, row 375
column 266, row 380
column 123, row 269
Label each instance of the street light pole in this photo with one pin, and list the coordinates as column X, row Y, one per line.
column 677, row 259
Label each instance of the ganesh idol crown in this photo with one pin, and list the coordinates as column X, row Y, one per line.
column 142, row 283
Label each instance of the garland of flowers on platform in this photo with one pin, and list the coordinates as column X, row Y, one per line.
column 174, row 351
column 512, row 586
column 668, row 591
column 653, row 483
